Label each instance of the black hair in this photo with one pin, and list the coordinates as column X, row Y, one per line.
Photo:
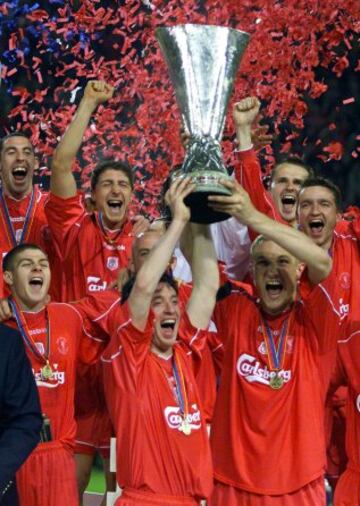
column 111, row 164
column 166, row 278
column 294, row 160
column 18, row 133
column 325, row 183
column 8, row 262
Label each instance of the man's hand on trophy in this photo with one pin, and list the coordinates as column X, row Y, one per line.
column 97, row 92
column 238, row 204
column 174, row 198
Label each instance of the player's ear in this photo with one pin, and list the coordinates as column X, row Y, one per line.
column 8, row 278
column 299, row 270
column 173, row 262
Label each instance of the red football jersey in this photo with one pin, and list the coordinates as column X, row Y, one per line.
column 345, row 252
column 152, row 453
column 57, row 393
column 91, row 260
column 349, row 368
column 37, row 232
column 264, row 440
column 209, row 368
column 91, row 257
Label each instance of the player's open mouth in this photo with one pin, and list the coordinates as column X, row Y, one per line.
column 36, row 283
column 274, row 288
column 19, row 173
column 288, row 201
column 115, row 205
column 167, row 327
column 316, row 226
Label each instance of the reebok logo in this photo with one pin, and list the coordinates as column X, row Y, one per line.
column 255, row 372
column 174, row 419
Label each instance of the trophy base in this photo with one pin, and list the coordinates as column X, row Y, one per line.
column 200, row 211
column 206, row 183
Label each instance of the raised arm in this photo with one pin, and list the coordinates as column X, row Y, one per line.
column 205, row 274
column 148, row 277
column 295, row 242
column 248, row 172
column 62, row 182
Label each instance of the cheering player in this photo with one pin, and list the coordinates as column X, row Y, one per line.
column 163, row 456
column 51, row 333
column 286, row 178
column 22, row 215
column 93, row 247
column 270, row 450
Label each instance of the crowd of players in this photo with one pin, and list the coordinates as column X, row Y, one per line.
column 119, row 345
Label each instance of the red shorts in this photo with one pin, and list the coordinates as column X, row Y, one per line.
column 48, row 477
column 131, row 497
column 94, row 428
column 94, row 432
column 347, row 492
column 312, row 494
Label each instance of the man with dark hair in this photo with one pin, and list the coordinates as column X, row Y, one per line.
column 51, row 333
column 112, row 165
column 22, row 216
column 163, row 455
column 93, row 247
column 20, row 414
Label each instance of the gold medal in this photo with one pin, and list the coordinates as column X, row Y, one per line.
column 46, row 372
column 276, row 382
column 185, row 428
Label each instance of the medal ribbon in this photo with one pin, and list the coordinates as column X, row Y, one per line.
column 180, row 386
column 276, row 356
column 29, row 216
column 100, row 221
column 24, row 331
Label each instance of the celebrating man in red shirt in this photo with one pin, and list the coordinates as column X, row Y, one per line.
column 268, row 427
column 22, row 215
column 93, row 247
column 51, row 334
column 163, row 455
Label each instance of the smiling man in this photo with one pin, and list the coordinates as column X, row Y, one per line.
column 22, row 213
column 51, row 334
column 93, row 247
column 280, row 203
column 271, row 450
column 163, row 454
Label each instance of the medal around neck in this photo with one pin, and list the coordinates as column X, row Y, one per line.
column 47, row 372
column 276, row 382
column 185, row 428
column 202, row 61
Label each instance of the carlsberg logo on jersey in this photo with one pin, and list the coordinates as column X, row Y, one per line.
column 255, row 372
column 174, row 419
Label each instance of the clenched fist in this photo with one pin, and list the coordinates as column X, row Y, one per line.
column 98, row 92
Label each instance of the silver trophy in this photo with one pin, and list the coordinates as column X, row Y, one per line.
column 202, row 62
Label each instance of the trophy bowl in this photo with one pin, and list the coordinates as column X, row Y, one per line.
column 202, row 61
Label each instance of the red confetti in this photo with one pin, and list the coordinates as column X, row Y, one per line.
column 348, row 101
